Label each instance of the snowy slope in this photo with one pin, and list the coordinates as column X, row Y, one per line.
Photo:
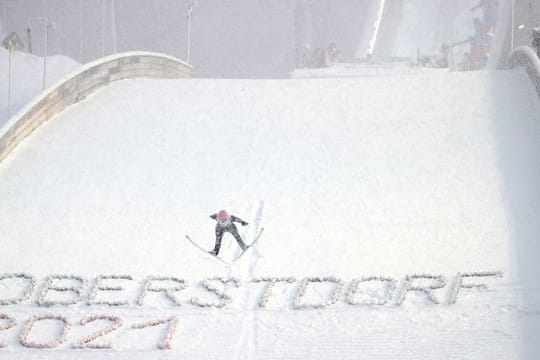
column 27, row 78
column 362, row 70
column 430, row 174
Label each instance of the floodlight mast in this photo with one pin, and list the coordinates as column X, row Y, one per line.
column 189, row 11
column 12, row 42
column 48, row 26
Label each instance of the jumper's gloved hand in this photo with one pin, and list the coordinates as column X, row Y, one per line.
column 244, row 223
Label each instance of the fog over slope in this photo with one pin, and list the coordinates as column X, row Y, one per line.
column 237, row 38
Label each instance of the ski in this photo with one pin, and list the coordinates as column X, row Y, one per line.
column 250, row 245
column 205, row 251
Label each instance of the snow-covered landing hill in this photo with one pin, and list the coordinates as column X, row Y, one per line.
column 386, row 203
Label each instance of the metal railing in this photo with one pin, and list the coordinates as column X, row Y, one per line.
column 525, row 56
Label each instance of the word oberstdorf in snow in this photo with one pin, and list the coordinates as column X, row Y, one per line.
column 218, row 292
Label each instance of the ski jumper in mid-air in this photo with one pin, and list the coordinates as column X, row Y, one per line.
column 225, row 223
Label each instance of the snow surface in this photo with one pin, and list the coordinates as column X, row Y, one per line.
column 362, row 70
column 27, row 78
column 431, row 173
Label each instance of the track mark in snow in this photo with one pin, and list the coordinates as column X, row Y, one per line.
column 247, row 342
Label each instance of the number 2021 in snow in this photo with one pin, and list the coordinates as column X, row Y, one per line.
column 96, row 340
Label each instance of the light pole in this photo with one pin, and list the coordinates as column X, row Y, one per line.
column 4, row 16
column 10, row 49
column 12, row 42
column 513, row 15
column 48, row 27
column 113, row 26
column 189, row 12
column 81, row 32
column 102, row 28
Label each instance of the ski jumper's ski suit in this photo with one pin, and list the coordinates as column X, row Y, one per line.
column 227, row 225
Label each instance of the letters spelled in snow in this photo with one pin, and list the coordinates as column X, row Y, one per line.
column 68, row 290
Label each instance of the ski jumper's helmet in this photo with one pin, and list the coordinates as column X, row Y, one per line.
column 223, row 214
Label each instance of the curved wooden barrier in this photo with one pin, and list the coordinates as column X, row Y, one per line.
column 526, row 57
column 77, row 86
